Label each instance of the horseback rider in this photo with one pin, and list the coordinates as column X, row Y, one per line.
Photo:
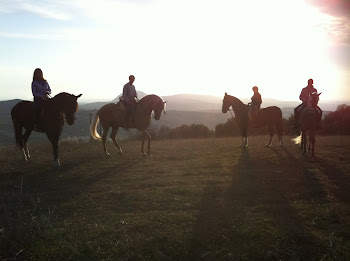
column 129, row 95
column 40, row 89
column 255, row 103
column 304, row 97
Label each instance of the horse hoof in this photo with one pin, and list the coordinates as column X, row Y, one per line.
column 107, row 154
column 57, row 164
column 145, row 155
column 267, row 145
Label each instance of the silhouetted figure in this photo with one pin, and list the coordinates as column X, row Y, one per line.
column 255, row 103
column 304, row 97
column 40, row 89
column 129, row 95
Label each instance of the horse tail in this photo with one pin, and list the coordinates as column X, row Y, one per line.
column 93, row 127
column 17, row 125
column 297, row 140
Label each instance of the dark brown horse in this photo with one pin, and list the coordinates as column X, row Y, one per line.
column 114, row 115
column 308, row 124
column 270, row 116
column 58, row 109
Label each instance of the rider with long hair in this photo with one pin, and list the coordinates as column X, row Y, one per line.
column 40, row 89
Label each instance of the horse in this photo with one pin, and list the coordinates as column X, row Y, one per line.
column 114, row 115
column 270, row 116
column 56, row 110
column 308, row 124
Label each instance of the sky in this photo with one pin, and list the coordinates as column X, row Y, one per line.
column 174, row 47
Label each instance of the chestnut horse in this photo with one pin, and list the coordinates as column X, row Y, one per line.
column 114, row 115
column 308, row 124
column 61, row 107
column 270, row 116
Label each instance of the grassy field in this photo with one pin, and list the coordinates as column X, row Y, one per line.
column 192, row 200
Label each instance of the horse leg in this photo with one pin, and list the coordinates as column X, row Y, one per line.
column 280, row 136
column 268, row 144
column 104, row 138
column 313, row 141
column 244, row 138
column 304, row 142
column 113, row 137
column 144, row 135
column 25, row 139
column 54, row 141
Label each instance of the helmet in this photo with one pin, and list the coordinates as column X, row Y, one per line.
column 310, row 81
column 255, row 88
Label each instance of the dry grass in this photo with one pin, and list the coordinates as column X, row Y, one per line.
column 192, row 200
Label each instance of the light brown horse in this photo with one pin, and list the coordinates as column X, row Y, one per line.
column 270, row 116
column 308, row 124
column 114, row 115
column 60, row 108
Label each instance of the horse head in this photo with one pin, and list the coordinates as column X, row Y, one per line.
column 68, row 104
column 158, row 106
column 226, row 103
column 313, row 99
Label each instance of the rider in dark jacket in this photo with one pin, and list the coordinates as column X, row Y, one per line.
column 304, row 97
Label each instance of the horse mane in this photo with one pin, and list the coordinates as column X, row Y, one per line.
column 236, row 100
column 61, row 98
column 155, row 100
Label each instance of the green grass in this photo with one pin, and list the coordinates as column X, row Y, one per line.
column 204, row 199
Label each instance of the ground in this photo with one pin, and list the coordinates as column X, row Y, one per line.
column 203, row 199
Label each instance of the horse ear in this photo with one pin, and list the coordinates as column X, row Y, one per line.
column 319, row 94
column 225, row 93
column 165, row 102
column 79, row 95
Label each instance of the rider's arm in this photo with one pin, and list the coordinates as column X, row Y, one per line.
column 48, row 91
column 303, row 96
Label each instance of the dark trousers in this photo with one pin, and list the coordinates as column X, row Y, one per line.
column 38, row 106
column 130, row 111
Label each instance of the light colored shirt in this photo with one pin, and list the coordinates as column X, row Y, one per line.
column 40, row 89
column 129, row 92
column 305, row 92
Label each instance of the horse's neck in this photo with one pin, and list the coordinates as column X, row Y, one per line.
column 146, row 104
column 237, row 104
column 311, row 104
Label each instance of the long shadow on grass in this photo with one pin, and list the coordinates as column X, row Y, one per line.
column 252, row 218
column 31, row 202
